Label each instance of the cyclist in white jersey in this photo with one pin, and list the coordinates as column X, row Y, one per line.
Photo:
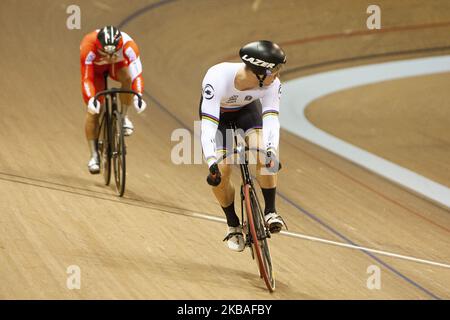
column 247, row 94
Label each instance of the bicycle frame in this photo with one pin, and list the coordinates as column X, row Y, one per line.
column 112, row 93
column 115, row 145
column 241, row 151
column 255, row 230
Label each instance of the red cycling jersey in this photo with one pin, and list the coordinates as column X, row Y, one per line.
column 93, row 65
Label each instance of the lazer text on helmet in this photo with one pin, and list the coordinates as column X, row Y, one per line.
column 258, row 62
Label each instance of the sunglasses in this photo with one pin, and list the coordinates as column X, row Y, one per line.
column 108, row 51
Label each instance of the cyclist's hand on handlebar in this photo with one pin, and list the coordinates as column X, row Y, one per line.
column 93, row 106
column 214, row 176
column 136, row 104
column 272, row 162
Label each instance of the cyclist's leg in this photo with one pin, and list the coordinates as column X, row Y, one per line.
column 252, row 123
column 265, row 177
column 91, row 121
column 119, row 72
column 225, row 191
column 250, row 120
column 91, row 127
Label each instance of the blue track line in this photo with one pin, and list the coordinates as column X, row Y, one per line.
column 305, row 212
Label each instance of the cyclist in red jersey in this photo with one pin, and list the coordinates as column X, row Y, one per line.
column 111, row 50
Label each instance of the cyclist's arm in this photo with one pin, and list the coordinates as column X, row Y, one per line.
column 87, row 57
column 210, row 113
column 270, row 109
column 87, row 75
column 131, row 53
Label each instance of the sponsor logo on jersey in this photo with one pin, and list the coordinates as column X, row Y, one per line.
column 208, row 92
column 232, row 99
column 258, row 62
column 248, row 98
column 90, row 57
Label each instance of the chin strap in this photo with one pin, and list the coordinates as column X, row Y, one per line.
column 261, row 79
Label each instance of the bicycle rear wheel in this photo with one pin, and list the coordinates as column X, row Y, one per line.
column 259, row 237
column 118, row 153
column 104, row 148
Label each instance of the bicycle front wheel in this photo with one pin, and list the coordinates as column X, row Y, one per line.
column 104, row 148
column 259, row 236
column 118, row 153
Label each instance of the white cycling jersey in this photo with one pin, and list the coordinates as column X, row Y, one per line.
column 219, row 93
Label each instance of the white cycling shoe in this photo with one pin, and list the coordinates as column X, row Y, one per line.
column 235, row 239
column 128, row 127
column 94, row 165
column 274, row 222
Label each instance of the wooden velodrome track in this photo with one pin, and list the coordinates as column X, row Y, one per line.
column 150, row 244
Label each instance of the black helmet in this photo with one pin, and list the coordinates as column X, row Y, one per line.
column 109, row 39
column 263, row 57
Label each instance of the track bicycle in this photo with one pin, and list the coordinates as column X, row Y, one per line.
column 256, row 232
column 111, row 141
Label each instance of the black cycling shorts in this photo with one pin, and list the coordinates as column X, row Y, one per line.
column 247, row 118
